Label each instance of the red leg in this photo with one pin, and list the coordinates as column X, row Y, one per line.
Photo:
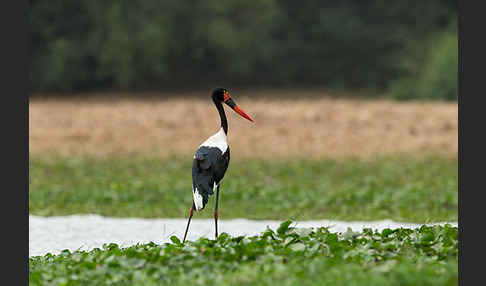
column 216, row 213
column 191, row 212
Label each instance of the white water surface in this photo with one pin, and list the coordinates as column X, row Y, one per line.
column 85, row 232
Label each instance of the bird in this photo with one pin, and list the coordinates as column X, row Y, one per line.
column 211, row 159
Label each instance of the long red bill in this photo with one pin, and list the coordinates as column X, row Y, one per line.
column 242, row 113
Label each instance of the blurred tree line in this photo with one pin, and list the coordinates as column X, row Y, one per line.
column 148, row 45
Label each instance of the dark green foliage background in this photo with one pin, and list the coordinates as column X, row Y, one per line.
column 438, row 77
column 80, row 46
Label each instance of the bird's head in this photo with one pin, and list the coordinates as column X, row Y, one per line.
column 222, row 95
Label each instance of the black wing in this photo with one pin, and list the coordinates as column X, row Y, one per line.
column 208, row 169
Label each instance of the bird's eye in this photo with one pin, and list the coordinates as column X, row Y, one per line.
column 226, row 96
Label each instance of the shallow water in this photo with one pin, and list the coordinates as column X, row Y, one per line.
column 85, row 232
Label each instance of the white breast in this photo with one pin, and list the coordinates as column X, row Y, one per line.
column 198, row 199
column 218, row 140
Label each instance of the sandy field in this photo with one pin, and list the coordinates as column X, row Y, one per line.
column 297, row 125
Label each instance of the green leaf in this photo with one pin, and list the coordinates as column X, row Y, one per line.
column 284, row 227
column 175, row 240
column 297, row 246
column 303, row 231
column 350, row 233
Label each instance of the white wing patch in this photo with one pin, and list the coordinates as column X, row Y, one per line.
column 218, row 140
column 198, row 199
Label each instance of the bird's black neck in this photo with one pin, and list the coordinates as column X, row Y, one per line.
column 222, row 115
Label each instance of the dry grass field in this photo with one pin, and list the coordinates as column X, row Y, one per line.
column 310, row 126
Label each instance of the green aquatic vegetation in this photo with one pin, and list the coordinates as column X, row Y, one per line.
column 292, row 256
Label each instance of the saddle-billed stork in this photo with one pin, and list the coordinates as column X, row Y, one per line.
column 212, row 159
